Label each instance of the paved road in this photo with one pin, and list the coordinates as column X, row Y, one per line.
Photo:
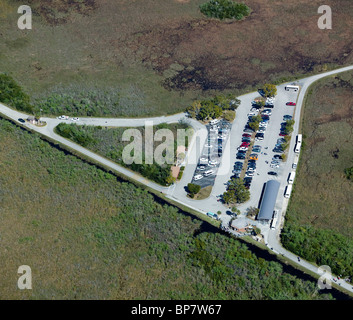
column 177, row 192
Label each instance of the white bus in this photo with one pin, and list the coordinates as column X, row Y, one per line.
column 274, row 222
column 299, row 138
column 291, row 177
column 288, row 191
column 297, row 147
column 289, row 87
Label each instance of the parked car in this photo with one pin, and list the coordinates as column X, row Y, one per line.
column 287, row 117
column 243, row 148
column 272, row 173
column 246, row 139
column 246, row 135
column 21, row 120
column 277, row 157
column 240, row 156
column 290, row 103
column 198, row 177
column 256, row 148
column 254, row 156
column 213, row 162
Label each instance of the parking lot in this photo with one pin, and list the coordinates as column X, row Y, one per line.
column 266, row 146
column 210, row 159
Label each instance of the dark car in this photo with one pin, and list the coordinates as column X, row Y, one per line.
column 277, row 157
column 272, row 173
column 21, row 120
column 246, row 139
column 287, row 117
column 241, row 156
column 238, row 164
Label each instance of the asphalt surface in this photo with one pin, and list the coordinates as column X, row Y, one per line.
column 177, row 191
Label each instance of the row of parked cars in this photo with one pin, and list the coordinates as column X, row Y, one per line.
column 213, row 149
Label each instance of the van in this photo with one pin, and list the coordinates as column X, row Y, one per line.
column 291, row 177
column 288, row 191
column 208, row 173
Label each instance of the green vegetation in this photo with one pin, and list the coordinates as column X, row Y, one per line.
column 324, row 247
column 236, row 192
column 214, row 108
column 269, row 90
column 193, row 189
column 255, row 122
column 349, row 173
column 108, row 143
column 225, row 9
column 12, row 94
column 92, row 236
column 319, row 222
column 81, row 102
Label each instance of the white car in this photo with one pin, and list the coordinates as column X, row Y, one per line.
column 208, row 145
column 274, row 165
column 198, row 177
column 251, row 114
column 213, row 162
column 250, row 173
column 263, row 124
column 243, row 148
column 204, row 160
column 74, row 119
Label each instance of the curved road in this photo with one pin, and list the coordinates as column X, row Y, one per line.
column 177, row 191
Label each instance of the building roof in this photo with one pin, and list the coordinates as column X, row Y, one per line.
column 268, row 200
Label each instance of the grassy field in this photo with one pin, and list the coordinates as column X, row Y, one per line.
column 108, row 143
column 319, row 219
column 136, row 58
column 88, row 235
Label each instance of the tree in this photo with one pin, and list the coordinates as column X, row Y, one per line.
column 255, row 122
column 193, row 189
column 236, row 192
column 270, row 90
column 252, row 212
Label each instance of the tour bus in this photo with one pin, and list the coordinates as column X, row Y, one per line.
column 295, row 162
column 291, row 177
column 297, row 147
column 288, row 87
column 288, row 191
column 299, row 138
column 274, row 222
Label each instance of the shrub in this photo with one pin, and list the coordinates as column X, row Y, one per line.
column 225, row 9
column 193, row 189
column 11, row 93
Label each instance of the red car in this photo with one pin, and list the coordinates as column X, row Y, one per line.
column 246, row 135
column 245, row 144
column 290, row 103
